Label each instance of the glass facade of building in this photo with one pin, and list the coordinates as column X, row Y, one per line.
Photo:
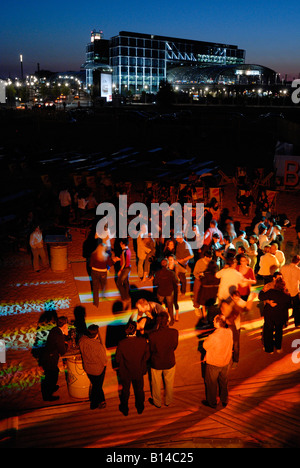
column 97, row 56
column 140, row 61
column 241, row 74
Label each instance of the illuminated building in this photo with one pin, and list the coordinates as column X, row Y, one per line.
column 97, row 56
column 141, row 61
column 243, row 74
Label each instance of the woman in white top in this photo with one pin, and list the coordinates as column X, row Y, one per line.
column 230, row 280
column 263, row 239
column 37, row 248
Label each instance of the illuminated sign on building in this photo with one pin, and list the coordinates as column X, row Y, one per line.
column 2, row 91
column 96, row 36
column 248, row 72
column 106, row 86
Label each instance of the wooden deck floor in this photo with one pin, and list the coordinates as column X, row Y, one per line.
column 260, row 413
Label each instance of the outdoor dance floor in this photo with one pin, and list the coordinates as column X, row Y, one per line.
column 264, row 390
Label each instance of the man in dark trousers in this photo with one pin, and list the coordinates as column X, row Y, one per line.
column 218, row 347
column 163, row 343
column 123, row 274
column 166, row 282
column 183, row 255
column 56, row 346
column 131, row 356
column 94, row 363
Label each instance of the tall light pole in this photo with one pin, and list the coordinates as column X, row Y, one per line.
column 21, row 62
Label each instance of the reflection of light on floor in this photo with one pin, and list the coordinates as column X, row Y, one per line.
column 123, row 317
column 14, row 377
column 13, row 308
column 26, row 338
column 105, row 320
column 89, row 279
column 87, row 298
column 82, row 278
column 36, row 283
column 188, row 333
column 253, row 324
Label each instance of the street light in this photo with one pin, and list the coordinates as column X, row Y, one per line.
column 21, row 61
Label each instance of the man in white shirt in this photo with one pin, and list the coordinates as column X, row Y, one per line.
column 241, row 241
column 291, row 276
column 106, row 236
column 230, row 279
column 268, row 264
column 278, row 254
column 218, row 347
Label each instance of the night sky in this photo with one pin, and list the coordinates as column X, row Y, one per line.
column 54, row 34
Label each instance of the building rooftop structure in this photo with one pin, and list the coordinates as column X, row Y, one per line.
column 243, row 74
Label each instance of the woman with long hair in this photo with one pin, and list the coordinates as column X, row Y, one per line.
column 230, row 230
column 169, row 248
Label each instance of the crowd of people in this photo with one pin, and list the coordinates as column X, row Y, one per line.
column 218, row 268
column 224, row 267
